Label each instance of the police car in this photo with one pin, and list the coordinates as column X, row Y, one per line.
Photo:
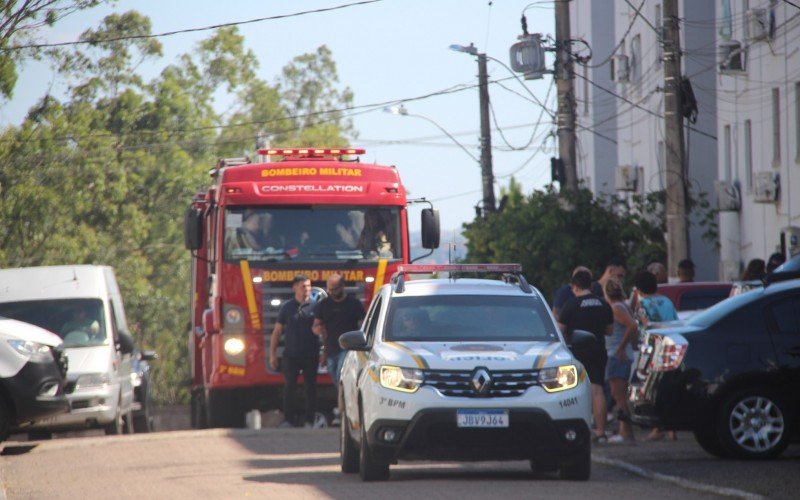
column 463, row 369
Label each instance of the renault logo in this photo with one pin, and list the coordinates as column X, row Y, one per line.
column 481, row 381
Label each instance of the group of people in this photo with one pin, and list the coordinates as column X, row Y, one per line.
column 311, row 332
column 602, row 308
column 756, row 269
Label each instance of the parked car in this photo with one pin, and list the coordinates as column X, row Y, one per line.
column 729, row 374
column 83, row 305
column 789, row 270
column 142, row 402
column 32, row 371
column 689, row 298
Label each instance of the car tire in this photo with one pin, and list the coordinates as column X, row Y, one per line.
column 128, row 418
column 143, row 423
column 370, row 468
column 116, row 426
column 707, row 437
column 579, row 468
column 348, row 449
column 754, row 423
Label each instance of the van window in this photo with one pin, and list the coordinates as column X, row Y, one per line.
column 80, row 322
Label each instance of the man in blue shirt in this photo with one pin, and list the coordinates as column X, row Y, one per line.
column 301, row 349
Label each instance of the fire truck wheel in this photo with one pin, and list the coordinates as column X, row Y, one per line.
column 222, row 411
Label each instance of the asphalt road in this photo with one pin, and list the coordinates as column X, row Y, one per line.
column 300, row 463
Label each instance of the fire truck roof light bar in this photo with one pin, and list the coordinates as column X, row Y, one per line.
column 311, row 152
column 514, row 270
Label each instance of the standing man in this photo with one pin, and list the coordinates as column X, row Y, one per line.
column 336, row 314
column 587, row 311
column 686, row 271
column 301, row 349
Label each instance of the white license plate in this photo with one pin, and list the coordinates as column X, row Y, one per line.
column 482, row 418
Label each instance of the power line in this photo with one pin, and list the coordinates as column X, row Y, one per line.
column 659, row 115
column 188, row 30
column 621, row 41
column 792, row 4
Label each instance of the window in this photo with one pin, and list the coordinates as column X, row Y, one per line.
column 776, row 127
column 636, row 59
column 726, row 25
column 785, row 316
column 748, row 154
column 372, row 320
column 745, row 27
column 726, row 154
column 659, row 35
column 469, row 318
column 797, row 120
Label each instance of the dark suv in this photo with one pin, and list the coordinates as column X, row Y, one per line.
column 730, row 374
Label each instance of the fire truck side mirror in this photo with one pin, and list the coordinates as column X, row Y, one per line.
column 430, row 228
column 208, row 321
column 193, row 229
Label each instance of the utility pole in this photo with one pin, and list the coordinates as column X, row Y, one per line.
column 566, row 96
column 487, row 177
column 677, row 227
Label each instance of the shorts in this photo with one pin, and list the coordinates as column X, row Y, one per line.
column 594, row 360
column 618, row 369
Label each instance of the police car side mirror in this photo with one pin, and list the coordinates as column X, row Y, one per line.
column 353, row 341
column 580, row 340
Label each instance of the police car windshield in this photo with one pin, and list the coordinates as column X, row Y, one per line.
column 312, row 233
column 459, row 318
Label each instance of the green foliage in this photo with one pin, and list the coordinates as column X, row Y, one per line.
column 105, row 176
column 19, row 23
column 550, row 233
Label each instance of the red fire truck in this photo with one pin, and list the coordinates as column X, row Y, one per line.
column 307, row 211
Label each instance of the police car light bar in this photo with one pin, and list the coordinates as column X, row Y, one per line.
column 458, row 268
column 515, row 269
column 311, row 152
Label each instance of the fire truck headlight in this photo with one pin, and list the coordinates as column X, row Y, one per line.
column 234, row 346
column 275, row 302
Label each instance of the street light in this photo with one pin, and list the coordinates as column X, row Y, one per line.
column 402, row 111
column 487, row 177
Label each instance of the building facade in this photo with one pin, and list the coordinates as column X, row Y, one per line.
column 620, row 107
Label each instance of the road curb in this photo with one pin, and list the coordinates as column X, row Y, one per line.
column 678, row 481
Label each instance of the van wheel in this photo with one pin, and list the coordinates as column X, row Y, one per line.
column 116, row 426
column 5, row 419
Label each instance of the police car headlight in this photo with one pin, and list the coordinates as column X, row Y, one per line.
column 234, row 346
column 559, row 378
column 401, row 379
column 28, row 348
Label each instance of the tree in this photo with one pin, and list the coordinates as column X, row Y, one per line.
column 19, row 23
column 104, row 175
column 550, row 233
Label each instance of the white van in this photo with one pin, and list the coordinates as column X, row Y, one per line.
column 83, row 306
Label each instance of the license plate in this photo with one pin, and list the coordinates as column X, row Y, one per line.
column 482, row 418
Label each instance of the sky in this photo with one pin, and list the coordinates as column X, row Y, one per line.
column 385, row 51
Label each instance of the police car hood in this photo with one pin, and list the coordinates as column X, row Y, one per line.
column 469, row 355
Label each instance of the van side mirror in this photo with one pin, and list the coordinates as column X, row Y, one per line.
column 193, row 229
column 353, row 341
column 124, row 342
column 430, row 228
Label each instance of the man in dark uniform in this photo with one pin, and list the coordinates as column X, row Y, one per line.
column 587, row 311
column 336, row 314
column 301, row 349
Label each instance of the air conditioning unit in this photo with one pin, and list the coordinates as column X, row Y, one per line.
column 729, row 198
column 621, row 68
column 766, row 187
column 731, row 57
column 626, row 177
column 757, row 24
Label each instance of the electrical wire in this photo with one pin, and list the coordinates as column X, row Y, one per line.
column 188, row 30
column 621, row 41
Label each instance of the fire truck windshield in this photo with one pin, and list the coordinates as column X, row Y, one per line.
column 312, row 233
